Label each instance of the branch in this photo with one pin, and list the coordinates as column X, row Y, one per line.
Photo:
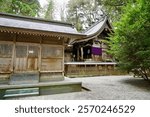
column 115, row 4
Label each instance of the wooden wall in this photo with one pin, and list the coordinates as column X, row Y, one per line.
column 6, row 50
column 83, row 70
column 31, row 53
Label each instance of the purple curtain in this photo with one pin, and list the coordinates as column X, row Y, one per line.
column 96, row 51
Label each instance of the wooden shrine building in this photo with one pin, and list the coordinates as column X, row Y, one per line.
column 32, row 50
column 93, row 46
column 88, row 56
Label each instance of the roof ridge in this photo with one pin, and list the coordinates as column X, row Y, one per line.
column 35, row 18
column 103, row 18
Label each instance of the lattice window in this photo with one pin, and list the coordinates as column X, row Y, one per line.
column 21, row 51
column 6, row 50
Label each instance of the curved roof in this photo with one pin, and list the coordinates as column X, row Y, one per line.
column 36, row 24
column 96, row 28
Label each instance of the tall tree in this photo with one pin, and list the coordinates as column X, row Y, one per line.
column 130, row 43
column 83, row 13
column 50, row 10
column 114, row 7
column 63, row 13
column 20, row 7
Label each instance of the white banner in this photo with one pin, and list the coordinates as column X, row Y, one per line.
column 74, row 108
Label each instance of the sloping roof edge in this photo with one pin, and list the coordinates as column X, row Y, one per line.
column 37, row 24
column 94, row 30
column 101, row 23
column 35, row 19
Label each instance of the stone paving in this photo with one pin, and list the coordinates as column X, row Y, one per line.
column 103, row 88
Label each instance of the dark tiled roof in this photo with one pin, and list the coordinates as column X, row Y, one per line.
column 14, row 21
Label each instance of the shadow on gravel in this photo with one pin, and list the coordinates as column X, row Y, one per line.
column 139, row 83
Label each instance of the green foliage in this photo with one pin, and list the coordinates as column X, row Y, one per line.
column 20, row 7
column 130, row 43
column 114, row 7
column 50, row 10
column 83, row 13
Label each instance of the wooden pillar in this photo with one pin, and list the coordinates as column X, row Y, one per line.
column 13, row 54
column 105, row 69
column 78, row 54
column 82, row 53
column 63, row 65
column 40, row 54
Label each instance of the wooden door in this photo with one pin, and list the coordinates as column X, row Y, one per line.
column 26, row 58
column 21, row 58
column 32, row 59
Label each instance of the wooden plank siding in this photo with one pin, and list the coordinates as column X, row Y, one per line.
column 28, row 53
column 5, row 65
column 52, row 58
column 6, row 57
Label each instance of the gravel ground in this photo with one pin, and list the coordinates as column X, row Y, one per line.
column 103, row 88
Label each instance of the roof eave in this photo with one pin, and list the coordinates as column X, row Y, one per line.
column 95, row 34
column 40, row 32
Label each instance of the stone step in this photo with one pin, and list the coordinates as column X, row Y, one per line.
column 21, row 92
column 45, row 88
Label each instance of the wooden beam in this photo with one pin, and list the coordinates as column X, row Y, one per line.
column 40, row 54
column 40, row 33
column 13, row 53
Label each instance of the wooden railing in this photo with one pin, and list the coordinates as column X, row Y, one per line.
column 75, row 69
